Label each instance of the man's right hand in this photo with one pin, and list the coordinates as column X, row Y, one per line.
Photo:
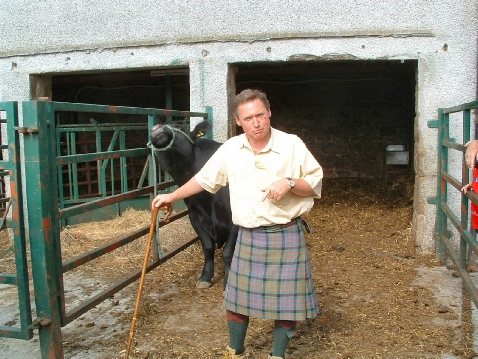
column 161, row 201
column 471, row 152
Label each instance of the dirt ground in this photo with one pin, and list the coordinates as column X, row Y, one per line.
column 374, row 300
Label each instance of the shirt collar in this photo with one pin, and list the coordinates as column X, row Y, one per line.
column 272, row 145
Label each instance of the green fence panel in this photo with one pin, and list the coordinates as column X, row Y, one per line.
column 11, row 170
column 467, row 241
column 45, row 163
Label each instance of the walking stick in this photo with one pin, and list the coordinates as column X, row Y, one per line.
column 152, row 228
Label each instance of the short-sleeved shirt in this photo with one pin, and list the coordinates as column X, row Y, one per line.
column 235, row 163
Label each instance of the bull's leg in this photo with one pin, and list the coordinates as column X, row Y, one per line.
column 205, row 280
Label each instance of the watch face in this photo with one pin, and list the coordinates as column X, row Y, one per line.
column 291, row 182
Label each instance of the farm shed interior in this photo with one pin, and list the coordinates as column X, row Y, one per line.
column 347, row 112
column 103, row 132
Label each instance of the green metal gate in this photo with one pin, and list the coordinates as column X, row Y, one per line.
column 11, row 171
column 45, row 164
column 446, row 246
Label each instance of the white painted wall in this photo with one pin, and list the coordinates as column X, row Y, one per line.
column 56, row 36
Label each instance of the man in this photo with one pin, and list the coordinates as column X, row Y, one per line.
column 273, row 179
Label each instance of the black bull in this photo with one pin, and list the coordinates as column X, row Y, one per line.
column 182, row 156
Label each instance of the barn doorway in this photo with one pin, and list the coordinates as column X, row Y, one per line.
column 166, row 88
column 348, row 113
column 153, row 88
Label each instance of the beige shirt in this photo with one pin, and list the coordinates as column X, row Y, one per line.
column 235, row 163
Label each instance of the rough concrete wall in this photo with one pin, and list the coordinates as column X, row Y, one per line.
column 31, row 27
column 47, row 37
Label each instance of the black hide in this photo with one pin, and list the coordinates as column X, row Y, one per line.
column 210, row 214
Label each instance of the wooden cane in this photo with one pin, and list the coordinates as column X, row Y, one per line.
column 152, row 229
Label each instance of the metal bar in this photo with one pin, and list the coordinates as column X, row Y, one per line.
column 44, row 224
column 465, row 276
column 5, row 213
column 8, row 279
column 102, row 202
column 73, row 168
column 464, row 200
column 79, row 107
column 455, row 183
column 63, row 160
column 209, row 118
column 100, row 126
column 111, row 246
column 454, row 145
column 123, row 168
column 110, row 147
column 69, row 138
column 11, row 332
column 94, row 301
column 102, row 250
column 462, row 107
column 144, row 172
column 17, row 223
column 100, row 170
column 442, row 163
column 457, row 224
column 61, row 186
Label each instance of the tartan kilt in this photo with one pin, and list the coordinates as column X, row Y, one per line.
column 270, row 276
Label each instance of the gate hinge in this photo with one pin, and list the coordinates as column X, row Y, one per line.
column 26, row 129
column 41, row 322
column 432, row 123
column 432, row 200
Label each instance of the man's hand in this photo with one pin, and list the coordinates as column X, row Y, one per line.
column 276, row 190
column 161, row 201
column 467, row 188
column 471, row 152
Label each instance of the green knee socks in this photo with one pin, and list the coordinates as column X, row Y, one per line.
column 237, row 335
column 281, row 340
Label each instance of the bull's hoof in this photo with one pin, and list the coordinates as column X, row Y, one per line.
column 203, row 285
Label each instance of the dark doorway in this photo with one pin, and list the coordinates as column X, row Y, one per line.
column 156, row 88
column 79, row 132
column 346, row 112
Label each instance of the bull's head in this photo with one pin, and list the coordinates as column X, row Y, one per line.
column 162, row 137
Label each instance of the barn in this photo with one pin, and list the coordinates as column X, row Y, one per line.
column 361, row 82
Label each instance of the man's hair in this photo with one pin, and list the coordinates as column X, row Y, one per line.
column 250, row 95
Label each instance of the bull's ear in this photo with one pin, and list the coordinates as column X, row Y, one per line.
column 200, row 130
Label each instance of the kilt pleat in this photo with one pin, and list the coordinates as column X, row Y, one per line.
column 270, row 276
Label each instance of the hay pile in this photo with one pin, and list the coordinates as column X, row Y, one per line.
column 83, row 237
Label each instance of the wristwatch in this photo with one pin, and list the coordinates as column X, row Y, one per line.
column 291, row 182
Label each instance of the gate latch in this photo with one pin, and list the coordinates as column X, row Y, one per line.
column 26, row 129
column 41, row 322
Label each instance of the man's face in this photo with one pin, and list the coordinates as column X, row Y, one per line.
column 254, row 118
